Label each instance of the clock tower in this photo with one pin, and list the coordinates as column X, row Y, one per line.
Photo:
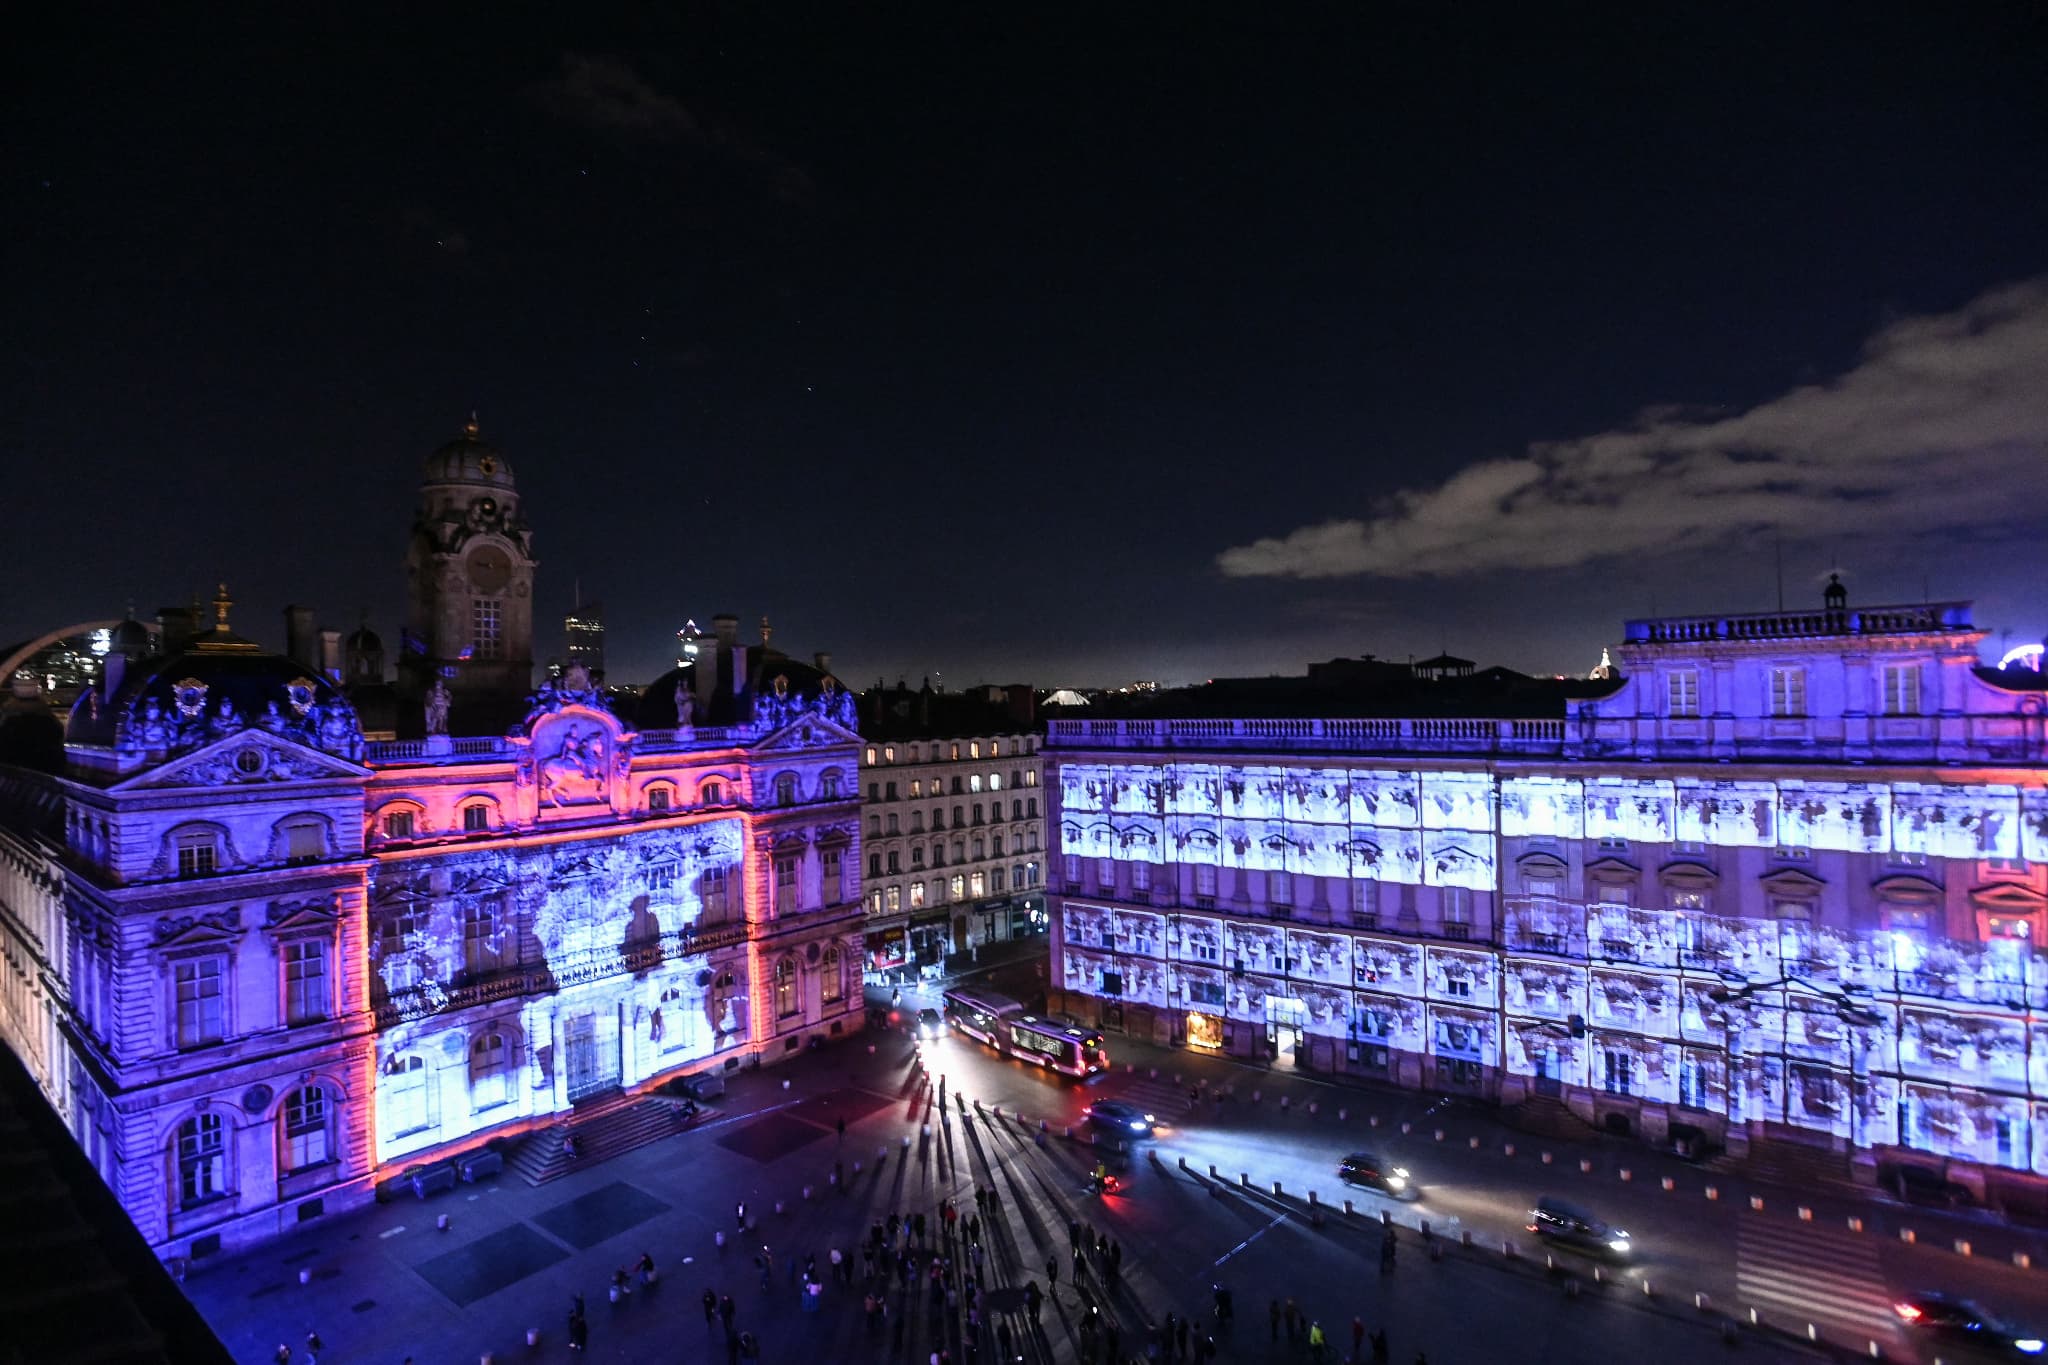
column 469, row 590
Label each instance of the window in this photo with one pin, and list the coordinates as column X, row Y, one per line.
column 404, row 1091
column 1618, row 1076
column 1031, row 777
column 305, row 1128
column 832, row 862
column 1454, row 904
column 917, row 895
column 477, row 818
column 486, row 641
column 871, row 755
column 202, row 1008
column 895, row 861
column 398, row 825
column 916, row 788
column 785, row 790
column 956, row 787
column 197, row 855
column 974, row 785
column 958, row 886
column 995, row 782
column 480, row 938
column 202, row 1159
column 1280, row 888
column 890, row 823
column 785, row 886
column 1692, row 1083
column 1683, row 692
column 785, row 989
column 1540, row 888
column 979, row 850
column 1072, row 870
column 832, row 984
column 1141, row 875
column 977, row 812
column 874, row 864
column 938, row 853
column 1016, row 810
column 874, row 791
column 716, row 889
column 977, row 884
column 1902, row 689
column 487, row 1079
column 1105, row 874
column 828, row 786
column 889, row 791
column 973, row 749
column 1788, row 692
column 953, row 751
column 917, row 855
column 304, row 842
column 888, row 753
column 711, row 793
column 1679, row 898
column 996, row 878
column 657, row 800
column 892, row 899
column 305, row 981
column 1031, row 809
column 1205, row 885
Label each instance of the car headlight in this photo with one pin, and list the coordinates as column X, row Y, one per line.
column 1150, row 1119
column 1395, row 1182
column 1401, row 1171
column 2031, row 1346
column 1137, row 1125
column 1618, row 1244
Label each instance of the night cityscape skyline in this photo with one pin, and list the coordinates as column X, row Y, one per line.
column 1349, row 334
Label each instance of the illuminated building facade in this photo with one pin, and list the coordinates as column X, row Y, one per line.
column 955, row 829
column 1781, row 879
column 261, row 965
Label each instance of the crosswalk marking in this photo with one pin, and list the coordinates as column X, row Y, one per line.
column 1160, row 1097
column 1812, row 1276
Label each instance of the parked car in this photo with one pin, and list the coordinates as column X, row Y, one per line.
column 1377, row 1173
column 1568, row 1225
column 1119, row 1115
column 1954, row 1321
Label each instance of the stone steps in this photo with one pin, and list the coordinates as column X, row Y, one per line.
column 604, row 1128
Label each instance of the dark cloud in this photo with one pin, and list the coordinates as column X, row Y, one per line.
column 1930, row 433
column 607, row 94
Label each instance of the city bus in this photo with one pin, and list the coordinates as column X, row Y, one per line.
column 1057, row 1046
column 979, row 1014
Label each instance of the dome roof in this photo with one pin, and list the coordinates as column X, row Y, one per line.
column 363, row 640
column 468, row 459
column 131, row 638
column 180, row 703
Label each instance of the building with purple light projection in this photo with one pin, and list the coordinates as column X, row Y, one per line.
column 261, row 965
column 1780, row 880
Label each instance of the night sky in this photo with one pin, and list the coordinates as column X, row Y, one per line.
column 1069, row 348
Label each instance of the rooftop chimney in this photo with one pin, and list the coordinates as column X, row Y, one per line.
column 301, row 639
column 726, row 628
column 180, row 625
column 822, row 661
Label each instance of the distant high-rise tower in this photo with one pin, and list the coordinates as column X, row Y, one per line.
column 585, row 628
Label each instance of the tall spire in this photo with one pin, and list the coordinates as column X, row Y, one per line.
column 221, row 603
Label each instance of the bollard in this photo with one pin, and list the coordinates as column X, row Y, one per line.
column 1571, row 1288
column 1276, row 1189
column 1244, row 1180
column 778, row 1206
column 1212, row 1171
column 1805, row 1214
column 1312, row 1199
column 1343, row 1114
column 1474, row 1143
column 1439, row 1135
column 997, row 1111
column 785, row 1085
column 1701, row 1302
column 871, row 1049
column 1908, row 1236
column 719, row 1239
column 1962, row 1247
column 305, row 1277
column 1585, row 1167
column 1648, row 1292
column 1372, row 1120
column 533, row 1336
column 1407, row 1127
column 1855, row 1223
column 1507, row 1249
column 1155, row 1073
column 1183, row 1163
column 1756, row 1203
column 1130, row 1069
column 1713, row 1192
column 1349, row 1210
column 1627, row 1174
column 807, row 1193
column 856, row 1168
column 1255, row 1096
column 1284, row 1102
column 1546, row 1158
column 1067, row 1131
column 1876, row 1351
column 1312, row 1108
column 1465, row 1238
column 441, row 1221
column 1599, row 1275
column 1670, row 1184
column 1549, row 1261
column 1755, row 1318
column 486, row 1358
column 2023, row 1260
column 1508, row 1148
column 906, row 1142
column 1812, row 1332
column 1041, row 1126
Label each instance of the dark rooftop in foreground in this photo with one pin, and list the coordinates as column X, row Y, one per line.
column 1345, row 688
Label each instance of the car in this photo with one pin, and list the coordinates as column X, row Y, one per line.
column 1121, row 1115
column 929, row 1023
column 1377, row 1173
column 1959, row 1321
column 1568, row 1225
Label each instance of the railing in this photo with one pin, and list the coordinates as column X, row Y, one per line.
column 1927, row 618
column 498, row 746
column 1535, row 737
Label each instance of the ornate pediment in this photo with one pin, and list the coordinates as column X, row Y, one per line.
column 251, row 758
column 310, row 912
column 809, row 730
column 193, row 931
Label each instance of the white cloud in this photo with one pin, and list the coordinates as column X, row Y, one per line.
column 1942, row 425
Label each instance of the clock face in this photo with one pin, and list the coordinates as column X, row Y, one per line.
column 489, row 569
column 486, row 507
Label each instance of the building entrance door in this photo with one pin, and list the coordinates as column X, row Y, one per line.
column 1286, row 1029
column 591, row 1045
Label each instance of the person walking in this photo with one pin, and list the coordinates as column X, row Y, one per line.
column 710, row 1306
column 1034, row 1298
column 726, row 1311
column 1315, row 1342
column 1357, row 1335
column 1052, row 1274
column 579, row 1332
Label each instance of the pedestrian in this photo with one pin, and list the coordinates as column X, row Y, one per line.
column 1003, row 1341
column 839, row 1275
column 1293, row 1321
column 1073, row 1232
column 579, row 1332
column 1379, row 1345
column 1273, row 1312
column 739, row 1215
column 732, row 1348
column 1180, row 1337
column 710, row 1306
column 313, row 1347
column 283, row 1354
column 1052, row 1273
column 726, row 1310
column 842, row 1127
column 1357, row 1336
column 974, row 1227
column 646, row 1268
column 1034, row 1298
column 1315, row 1342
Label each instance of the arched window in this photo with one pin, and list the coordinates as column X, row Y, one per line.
column 202, row 1159
column 785, row 988
column 404, row 1088
column 832, row 986
column 785, row 790
column 305, row 1128
column 712, row 793
column 487, row 1079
